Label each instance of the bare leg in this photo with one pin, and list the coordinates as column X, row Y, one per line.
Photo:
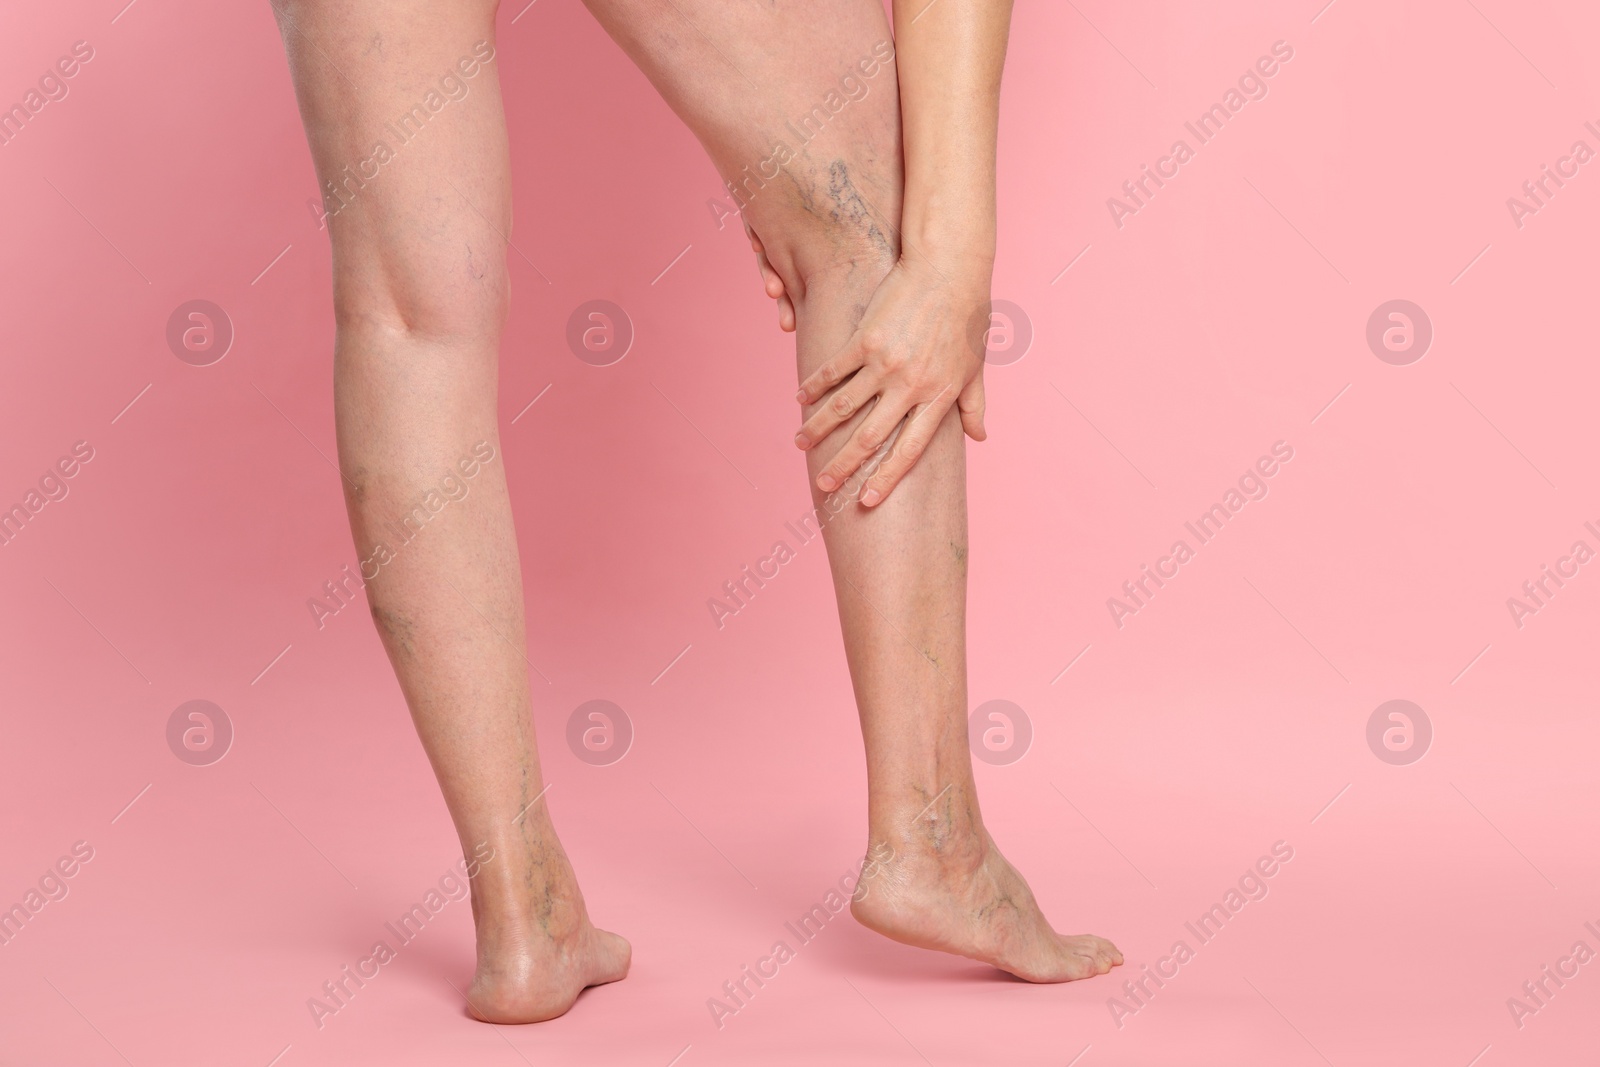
column 746, row 77
column 420, row 292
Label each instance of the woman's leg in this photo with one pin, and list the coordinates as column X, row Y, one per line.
column 747, row 78
column 420, row 296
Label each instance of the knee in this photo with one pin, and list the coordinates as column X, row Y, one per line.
column 417, row 296
column 829, row 218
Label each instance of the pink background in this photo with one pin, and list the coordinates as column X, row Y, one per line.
column 1225, row 716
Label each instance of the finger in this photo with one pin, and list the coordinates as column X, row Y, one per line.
column 769, row 277
column 862, row 446
column 849, row 360
column 786, row 319
column 908, row 448
column 973, row 404
column 770, row 280
column 837, row 409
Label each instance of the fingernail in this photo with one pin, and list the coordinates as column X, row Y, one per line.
column 827, row 483
column 802, row 441
column 800, row 397
column 871, row 497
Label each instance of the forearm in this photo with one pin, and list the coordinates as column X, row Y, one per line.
column 949, row 58
column 914, row 354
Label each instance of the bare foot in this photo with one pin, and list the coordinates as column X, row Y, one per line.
column 962, row 897
column 529, row 978
column 537, row 949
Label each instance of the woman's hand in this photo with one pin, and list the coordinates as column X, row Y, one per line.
column 772, row 283
column 917, row 351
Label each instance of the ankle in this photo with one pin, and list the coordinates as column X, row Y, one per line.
column 515, row 926
column 938, row 845
column 923, row 822
column 544, row 904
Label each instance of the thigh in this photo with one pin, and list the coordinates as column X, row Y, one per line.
column 402, row 111
column 798, row 107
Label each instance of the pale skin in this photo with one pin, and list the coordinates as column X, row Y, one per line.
column 855, row 249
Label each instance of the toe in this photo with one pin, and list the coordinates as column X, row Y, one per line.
column 614, row 955
column 1079, row 968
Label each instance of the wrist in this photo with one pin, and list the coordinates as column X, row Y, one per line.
column 967, row 249
column 956, row 235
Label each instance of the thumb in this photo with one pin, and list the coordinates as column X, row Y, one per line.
column 972, row 404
